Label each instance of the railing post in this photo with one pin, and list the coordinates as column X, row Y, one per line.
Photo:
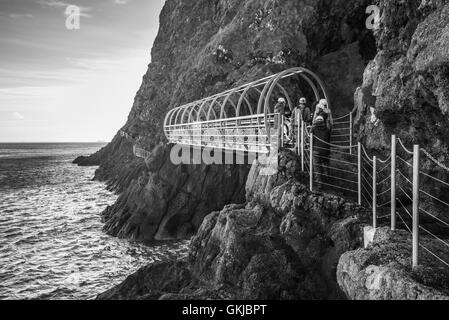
column 359, row 172
column 393, row 183
column 311, row 161
column 302, row 146
column 201, row 135
column 298, row 135
column 281, row 120
column 224, row 138
column 416, row 206
column 350, row 133
column 374, row 192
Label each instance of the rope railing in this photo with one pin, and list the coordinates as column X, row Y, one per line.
column 392, row 184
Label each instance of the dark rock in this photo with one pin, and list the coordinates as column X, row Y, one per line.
column 286, row 248
column 169, row 202
column 87, row 161
column 151, row 282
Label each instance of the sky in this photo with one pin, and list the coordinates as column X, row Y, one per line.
column 59, row 84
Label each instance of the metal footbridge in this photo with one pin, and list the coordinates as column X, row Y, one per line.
column 243, row 118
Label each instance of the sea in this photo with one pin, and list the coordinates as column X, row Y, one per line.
column 52, row 246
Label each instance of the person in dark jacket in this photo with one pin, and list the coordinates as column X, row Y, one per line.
column 321, row 149
column 306, row 112
column 284, row 111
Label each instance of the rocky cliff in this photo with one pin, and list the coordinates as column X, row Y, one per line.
column 407, row 83
column 170, row 201
column 288, row 243
column 262, row 37
column 383, row 270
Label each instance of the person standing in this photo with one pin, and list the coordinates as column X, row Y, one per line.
column 280, row 107
column 321, row 149
column 285, row 113
column 324, row 111
column 305, row 111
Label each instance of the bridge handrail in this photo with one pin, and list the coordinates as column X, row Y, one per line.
column 256, row 116
column 346, row 115
column 333, row 145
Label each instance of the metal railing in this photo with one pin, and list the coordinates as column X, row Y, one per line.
column 390, row 188
column 138, row 152
column 330, row 165
column 246, row 134
column 343, row 130
column 141, row 153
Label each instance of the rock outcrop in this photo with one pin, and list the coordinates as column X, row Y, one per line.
column 284, row 243
column 407, row 83
column 383, row 271
column 170, row 201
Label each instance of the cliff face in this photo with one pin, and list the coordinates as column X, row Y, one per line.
column 407, row 83
column 170, row 201
column 261, row 37
column 407, row 86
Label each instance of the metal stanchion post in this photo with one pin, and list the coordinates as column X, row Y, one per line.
column 311, row 161
column 374, row 192
column 393, row 183
column 359, row 173
column 416, row 206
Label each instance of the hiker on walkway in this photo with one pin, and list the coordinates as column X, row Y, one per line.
column 305, row 112
column 286, row 114
column 321, row 149
column 323, row 110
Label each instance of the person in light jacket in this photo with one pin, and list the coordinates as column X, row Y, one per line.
column 323, row 110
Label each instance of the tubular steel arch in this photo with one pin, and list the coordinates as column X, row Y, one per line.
column 255, row 99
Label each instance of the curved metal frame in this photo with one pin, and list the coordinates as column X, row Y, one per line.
column 264, row 88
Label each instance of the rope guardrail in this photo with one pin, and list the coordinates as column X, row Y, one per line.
column 383, row 187
column 404, row 147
